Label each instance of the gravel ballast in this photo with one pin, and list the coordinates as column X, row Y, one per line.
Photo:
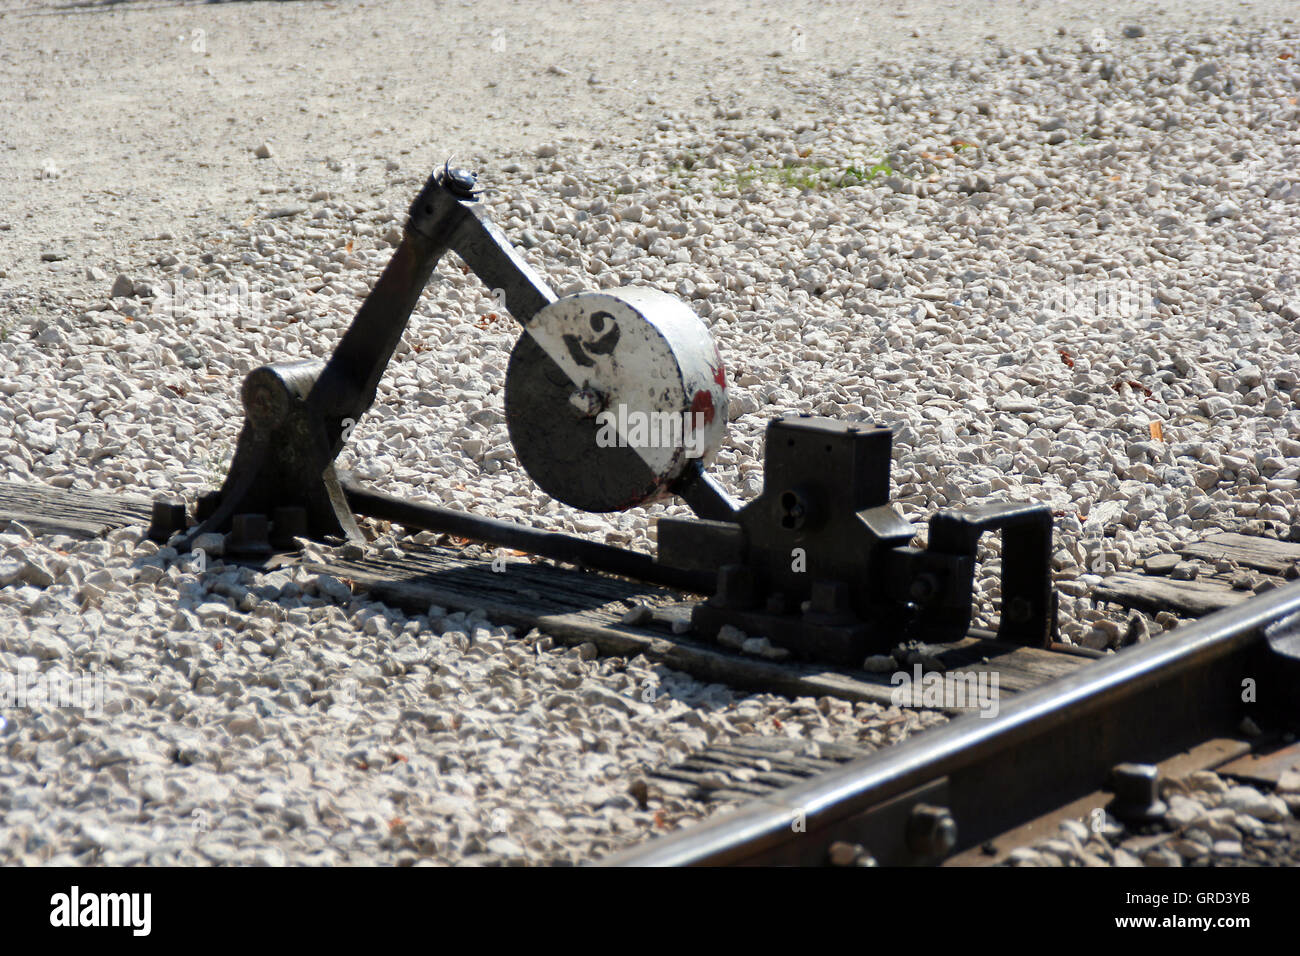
column 1062, row 265
column 1210, row 821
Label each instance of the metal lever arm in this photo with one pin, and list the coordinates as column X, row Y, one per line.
column 706, row 497
column 441, row 218
column 486, row 250
column 295, row 418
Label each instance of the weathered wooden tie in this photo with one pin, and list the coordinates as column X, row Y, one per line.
column 1275, row 561
column 79, row 514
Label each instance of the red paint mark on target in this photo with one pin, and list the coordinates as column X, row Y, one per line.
column 702, row 404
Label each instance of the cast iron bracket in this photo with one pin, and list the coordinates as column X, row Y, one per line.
column 821, row 564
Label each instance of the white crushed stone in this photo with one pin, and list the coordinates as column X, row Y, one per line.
column 231, row 717
column 998, row 253
column 1210, row 821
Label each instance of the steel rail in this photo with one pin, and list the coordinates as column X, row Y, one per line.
column 1046, row 747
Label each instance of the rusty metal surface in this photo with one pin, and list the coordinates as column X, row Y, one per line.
column 1266, row 768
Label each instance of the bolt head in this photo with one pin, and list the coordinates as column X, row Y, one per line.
column 1135, row 780
column 931, row 831
column 168, row 518
column 923, row 587
column 1137, row 792
column 1019, row 610
column 461, row 182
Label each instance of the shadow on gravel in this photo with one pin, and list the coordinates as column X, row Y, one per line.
column 566, row 604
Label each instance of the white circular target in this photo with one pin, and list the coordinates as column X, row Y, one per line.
column 611, row 395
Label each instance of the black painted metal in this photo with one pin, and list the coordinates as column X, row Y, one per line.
column 708, row 499
column 505, row 534
column 822, row 563
column 297, row 415
column 1045, row 748
column 1028, row 612
column 168, row 519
